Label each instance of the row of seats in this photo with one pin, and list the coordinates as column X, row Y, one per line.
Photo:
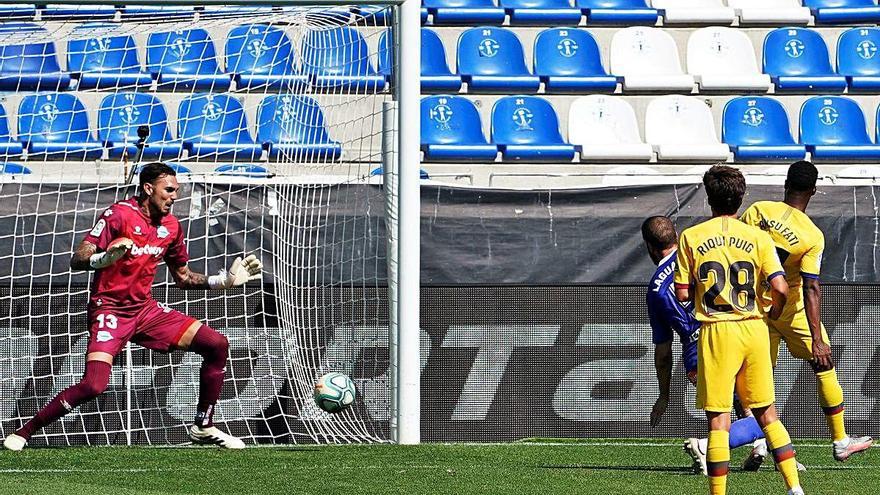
column 103, row 55
column 677, row 127
column 55, row 126
column 628, row 12
column 236, row 169
column 567, row 60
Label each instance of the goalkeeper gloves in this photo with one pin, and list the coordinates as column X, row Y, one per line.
column 241, row 272
column 114, row 251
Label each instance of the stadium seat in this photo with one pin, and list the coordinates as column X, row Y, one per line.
column 843, row 11
column 13, row 168
column 491, row 60
column 185, row 60
column 568, row 61
column 786, row 12
column 55, row 126
column 214, row 126
column 435, row 73
column 647, row 59
column 243, row 170
column 858, row 59
column 526, row 128
column 605, row 128
column 261, row 57
column 17, row 11
column 8, row 146
column 339, row 58
column 756, row 128
column 423, row 174
column 292, row 127
column 28, row 61
column 464, row 12
column 723, row 58
column 119, row 117
column 374, row 15
column 101, row 56
column 834, row 128
column 797, row 59
column 682, row 128
column 89, row 12
column 451, row 131
column 542, row 12
column 694, row 12
column 622, row 12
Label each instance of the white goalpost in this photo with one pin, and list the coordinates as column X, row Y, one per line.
column 293, row 126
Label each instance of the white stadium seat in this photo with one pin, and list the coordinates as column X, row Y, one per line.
column 771, row 11
column 606, row 128
column 695, row 11
column 647, row 59
column 724, row 58
column 682, row 128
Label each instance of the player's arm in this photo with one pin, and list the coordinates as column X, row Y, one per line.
column 810, row 266
column 663, row 366
column 778, row 294
column 241, row 272
column 683, row 279
column 101, row 247
column 771, row 268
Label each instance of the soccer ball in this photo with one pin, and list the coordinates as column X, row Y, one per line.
column 334, row 392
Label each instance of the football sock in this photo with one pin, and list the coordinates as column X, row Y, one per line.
column 744, row 431
column 783, row 453
column 93, row 383
column 831, row 400
column 718, row 461
column 214, row 349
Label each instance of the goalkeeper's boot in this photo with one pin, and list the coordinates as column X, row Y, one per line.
column 211, row 435
column 851, row 445
column 756, row 458
column 14, row 442
column 692, row 447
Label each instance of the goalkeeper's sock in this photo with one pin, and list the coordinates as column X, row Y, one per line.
column 93, row 383
column 744, row 432
column 831, row 400
column 214, row 349
column 718, row 461
column 783, row 453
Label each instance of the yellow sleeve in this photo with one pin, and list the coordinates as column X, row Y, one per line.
column 770, row 264
column 811, row 262
column 683, row 262
column 751, row 216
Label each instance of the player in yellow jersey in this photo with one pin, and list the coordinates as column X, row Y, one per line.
column 799, row 244
column 719, row 265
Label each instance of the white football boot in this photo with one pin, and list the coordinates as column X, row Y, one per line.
column 698, row 454
column 851, row 445
column 211, row 435
column 756, row 457
column 796, row 491
column 14, row 442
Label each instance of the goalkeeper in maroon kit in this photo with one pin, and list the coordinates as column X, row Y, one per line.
column 124, row 248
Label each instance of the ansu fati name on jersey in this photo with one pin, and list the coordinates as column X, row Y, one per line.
column 721, row 241
column 784, row 231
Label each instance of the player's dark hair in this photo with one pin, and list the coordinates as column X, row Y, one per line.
column 152, row 171
column 802, row 176
column 659, row 233
column 725, row 188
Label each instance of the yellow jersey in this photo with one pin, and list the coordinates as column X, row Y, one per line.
column 723, row 261
column 799, row 243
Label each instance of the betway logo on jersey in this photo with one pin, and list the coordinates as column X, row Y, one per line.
column 146, row 249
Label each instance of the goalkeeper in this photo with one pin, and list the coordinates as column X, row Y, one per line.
column 124, row 248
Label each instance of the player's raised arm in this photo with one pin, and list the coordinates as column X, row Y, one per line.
column 242, row 271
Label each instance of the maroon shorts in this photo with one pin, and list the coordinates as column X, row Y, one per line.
column 156, row 326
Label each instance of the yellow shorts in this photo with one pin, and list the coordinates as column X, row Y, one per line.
column 793, row 328
column 734, row 354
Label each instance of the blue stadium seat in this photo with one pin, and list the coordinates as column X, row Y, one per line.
column 435, row 74
column 542, row 12
column 8, row 146
column 55, row 126
column 526, row 128
column 797, row 59
column 451, row 131
column 375, row 15
column 119, row 117
column 214, row 126
column 833, row 128
column 492, row 60
column 756, row 129
column 843, row 11
column 99, row 57
column 858, row 58
column 339, row 58
column 292, row 126
column 185, row 60
column 28, row 61
column 243, row 170
column 464, row 12
column 17, row 11
column 622, row 12
column 91, row 12
column 568, row 61
column 423, row 174
column 260, row 56
column 13, row 168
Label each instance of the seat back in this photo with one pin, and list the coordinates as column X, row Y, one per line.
column 212, row 118
column 612, row 4
column 490, row 51
column 433, row 54
column 857, row 52
column 525, row 120
column 184, row 51
column 536, row 4
column 678, row 119
column 339, row 51
column 795, row 51
column 685, row 4
column 833, row 120
column 291, row 119
column 755, row 120
column 763, row 4
column 450, row 120
column 5, row 135
column 258, row 49
column 643, row 50
column 99, row 47
column 24, row 49
column 52, row 118
column 602, row 119
column 567, row 52
column 720, row 50
column 834, row 4
column 120, row 115
column 458, row 4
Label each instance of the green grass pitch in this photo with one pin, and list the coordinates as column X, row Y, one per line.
column 597, row 467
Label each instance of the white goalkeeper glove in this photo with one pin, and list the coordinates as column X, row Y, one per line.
column 241, row 272
column 114, row 251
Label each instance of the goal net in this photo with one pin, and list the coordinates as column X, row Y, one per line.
column 273, row 118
